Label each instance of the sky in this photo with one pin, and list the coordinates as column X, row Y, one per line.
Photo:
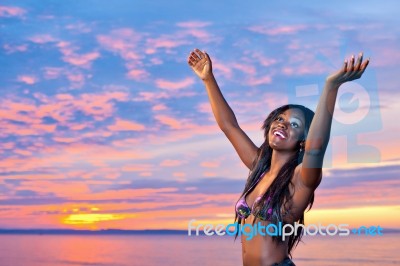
column 104, row 125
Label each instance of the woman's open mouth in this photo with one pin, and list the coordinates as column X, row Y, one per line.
column 280, row 134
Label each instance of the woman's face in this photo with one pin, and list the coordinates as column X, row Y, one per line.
column 287, row 130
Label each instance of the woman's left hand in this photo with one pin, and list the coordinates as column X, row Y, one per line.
column 349, row 71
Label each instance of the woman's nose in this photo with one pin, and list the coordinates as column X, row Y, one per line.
column 282, row 125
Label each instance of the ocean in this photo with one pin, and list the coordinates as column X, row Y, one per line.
column 166, row 250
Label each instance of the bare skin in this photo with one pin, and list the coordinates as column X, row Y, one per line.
column 260, row 250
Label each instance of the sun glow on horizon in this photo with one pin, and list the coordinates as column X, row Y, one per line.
column 90, row 218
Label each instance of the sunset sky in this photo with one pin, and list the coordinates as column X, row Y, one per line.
column 104, row 125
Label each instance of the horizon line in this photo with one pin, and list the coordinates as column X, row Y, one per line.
column 4, row 231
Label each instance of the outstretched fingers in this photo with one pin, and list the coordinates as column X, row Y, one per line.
column 344, row 68
column 350, row 67
column 349, row 71
column 364, row 66
column 193, row 58
column 359, row 60
column 191, row 61
column 354, row 71
column 200, row 53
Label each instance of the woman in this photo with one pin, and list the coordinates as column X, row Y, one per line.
column 286, row 169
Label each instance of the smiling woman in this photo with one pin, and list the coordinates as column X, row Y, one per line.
column 286, row 169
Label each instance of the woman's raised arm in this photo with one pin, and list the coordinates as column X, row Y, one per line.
column 319, row 133
column 201, row 64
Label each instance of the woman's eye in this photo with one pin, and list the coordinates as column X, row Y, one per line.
column 279, row 119
column 295, row 125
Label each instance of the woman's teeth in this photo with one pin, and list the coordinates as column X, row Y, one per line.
column 277, row 133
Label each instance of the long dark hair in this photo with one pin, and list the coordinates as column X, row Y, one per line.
column 280, row 186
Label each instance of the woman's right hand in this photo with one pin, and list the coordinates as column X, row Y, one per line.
column 200, row 63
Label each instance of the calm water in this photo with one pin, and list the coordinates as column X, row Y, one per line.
column 119, row 250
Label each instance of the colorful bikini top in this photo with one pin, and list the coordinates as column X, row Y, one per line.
column 243, row 210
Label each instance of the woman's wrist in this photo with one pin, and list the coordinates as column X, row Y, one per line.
column 329, row 84
column 208, row 78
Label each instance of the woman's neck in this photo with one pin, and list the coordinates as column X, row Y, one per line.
column 278, row 159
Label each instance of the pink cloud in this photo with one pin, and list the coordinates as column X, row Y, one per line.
column 52, row 72
column 122, row 41
column 171, row 163
column 388, row 57
column 62, row 189
column 64, row 97
column 253, row 81
column 110, row 173
column 173, row 86
column 83, row 60
column 65, row 140
column 210, row 164
column 77, row 79
column 125, row 125
column 199, row 34
column 155, row 96
column 79, row 27
column 151, row 96
column 137, row 74
column 180, row 176
column 248, row 69
column 27, row 79
column 42, row 39
column 125, row 42
column 78, row 127
column 43, row 128
column 262, row 59
column 137, row 167
column 209, row 174
column 222, row 68
column 156, row 61
column 97, row 155
column 66, row 48
column 15, row 48
column 7, row 145
column 11, row 11
column 60, row 158
column 22, row 152
column 145, row 174
column 61, row 107
column 127, row 193
column 167, row 42
column 356, row 195
column 99, row 105
column 204, row 107
column 173, row 122
column 303, row 70
column 150, row 51
column 269, row 30
column 195, row 29
column 159, row 107
column 127, row 142
column 70, row 56
column 180, row 130
column 193, row 24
